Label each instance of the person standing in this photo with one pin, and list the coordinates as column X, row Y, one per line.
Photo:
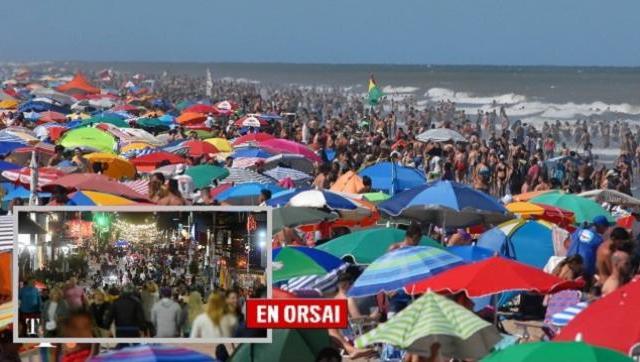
column 149, row 297
column 166, row 316
column 74, row 295
column 214, row 323
column 127, row 314
column 54, row 311
column 98, row 310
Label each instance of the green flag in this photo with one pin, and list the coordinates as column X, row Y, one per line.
column 374, row 92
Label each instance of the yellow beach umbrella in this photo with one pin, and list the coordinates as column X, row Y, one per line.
column 134, row 146
column 9, row 104
column 117, row 167
column 221, row 144
column 525, row 208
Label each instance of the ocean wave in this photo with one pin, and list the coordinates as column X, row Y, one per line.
column 518, row 106
column 390, row 89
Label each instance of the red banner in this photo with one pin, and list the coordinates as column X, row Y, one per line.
column 297, row 313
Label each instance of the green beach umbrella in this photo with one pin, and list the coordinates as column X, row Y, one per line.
column 152, row 123
column 367, row 245
column 296, row 216
column 183, row 104
column 583, row 208
column 118, row 122
column 203, row 175
column 299, row 261
column 433, row 318
column 556, row 352
column 89, row 138
column 203, row 134
column 376, row 197
column 288, row 345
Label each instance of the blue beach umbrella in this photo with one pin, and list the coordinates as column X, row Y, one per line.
column 298, row 261
column 386, row 176
column 314, row 198
column 282, row 198
column 246, row 194
column 22, row 193
column 395, row 269
column 527, row 241
column 5, row 166
column 446, row 203
column 471, row 253
column 253, row 152
column 7, row 147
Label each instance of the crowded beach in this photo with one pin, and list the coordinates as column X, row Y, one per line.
column 452, row 236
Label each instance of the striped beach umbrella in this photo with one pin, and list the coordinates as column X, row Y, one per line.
column 153, row 353
column 45, row 175
column 395, row 269
column 94, row 198
column 6, row 233
column 242, row 176
column 297, row 261
column 280, row 173
column 431, row 319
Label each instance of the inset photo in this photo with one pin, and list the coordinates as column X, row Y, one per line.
column 123, row 274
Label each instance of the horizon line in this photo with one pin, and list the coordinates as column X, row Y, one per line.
column 4, row 62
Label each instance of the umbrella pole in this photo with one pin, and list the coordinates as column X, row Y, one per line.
column 33, row 180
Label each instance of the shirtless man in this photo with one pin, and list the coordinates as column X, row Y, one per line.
column 621, row 266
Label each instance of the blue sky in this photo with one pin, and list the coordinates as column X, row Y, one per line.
column 532, row 32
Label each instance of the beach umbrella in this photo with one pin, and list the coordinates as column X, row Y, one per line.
column 397, row 268
column 290, row 160
column 8, row 147
column 9, row 104
column 556, row 352
column 153, row 124
column 95, row 182
column 128, row 108
column 612, row 197
column 320, row 199
column 191, row 118
column 388, row 177
column 250, row 121
column 45, row 175
column 278, row 293
column 222, row 144
column 252, row 138
column 528, row 241
column 18, row 135
column 242, row 176
column 349, row 182
column 226, row 107
column 108, row 119
column 250, row 152
column 204, row 175
column 446, row 203
column 152, row 353
column 135, row 146
column 50, row 130
column 584, row 209
column 471, row 253
column 365, row 246
column 479, row 279
column 431, row 319
column 246, row 193
column 288, row 345
column 93, row 198
column 53, row 95
column 441, row 135
column 50, row 116
column 182, row 105
column 296, row 216
column 281, row 173
column 530, row 210
column 610, row 321
column 297, row 261
column 278, row 145
column 90, row 139
column 6, row 166
column 197, row 148
column 22, row 193
column 117, row 167
column 201, row 108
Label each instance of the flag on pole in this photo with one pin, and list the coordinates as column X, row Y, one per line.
column 374, row 92
column 252, row 225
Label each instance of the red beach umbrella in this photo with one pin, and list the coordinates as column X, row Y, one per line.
column 155, row 159
column 201, row 108
column 251, row 121
column 252, row 138
column 279, row 145
column 50, row 116
column 199, row 148
column 95, row 182
column 492, row 276
column 610, row 322
column 23, row 175
column 283, row 294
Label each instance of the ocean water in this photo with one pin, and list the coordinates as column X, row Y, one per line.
column 528, row 93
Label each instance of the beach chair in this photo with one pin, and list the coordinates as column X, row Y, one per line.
column 557, row 302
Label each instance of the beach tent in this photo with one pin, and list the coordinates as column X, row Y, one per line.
column 78, row 84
